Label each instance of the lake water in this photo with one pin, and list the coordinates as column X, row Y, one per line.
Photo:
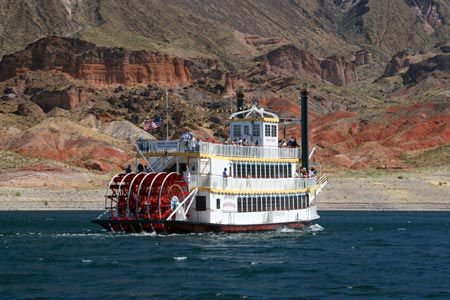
column 61, row 255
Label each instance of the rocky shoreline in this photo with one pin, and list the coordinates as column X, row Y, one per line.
column 391, row 192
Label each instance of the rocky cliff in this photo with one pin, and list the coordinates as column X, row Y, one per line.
column 419, row 71
column 398, row 62
column 289, row 60
column 428, row 10
column 97, row 65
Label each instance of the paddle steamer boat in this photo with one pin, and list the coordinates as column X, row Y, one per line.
column 225, row 187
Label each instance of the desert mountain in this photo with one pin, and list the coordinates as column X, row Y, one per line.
column 79, row 77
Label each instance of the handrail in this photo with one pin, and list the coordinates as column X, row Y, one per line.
column 322, row 179
column 191, row 195
column 266, row 184
column 165, row 147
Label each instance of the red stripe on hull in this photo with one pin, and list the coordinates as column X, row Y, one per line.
column 136, row 226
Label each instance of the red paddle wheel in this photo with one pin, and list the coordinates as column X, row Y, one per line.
column 142, row 201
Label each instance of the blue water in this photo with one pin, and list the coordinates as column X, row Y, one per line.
column 61, row 255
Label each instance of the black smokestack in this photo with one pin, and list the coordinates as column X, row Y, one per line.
column 304, row 108
column 240, row 100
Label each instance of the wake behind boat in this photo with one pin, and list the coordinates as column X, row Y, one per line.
column 251, row 184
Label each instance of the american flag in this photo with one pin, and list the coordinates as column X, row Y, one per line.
column 152, row 124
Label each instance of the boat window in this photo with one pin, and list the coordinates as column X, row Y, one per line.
column 200, row 203
column 246, row 130
column 244, row 204
column 254, row 204
column 255, row 130
column 274, row 130
column 267, row 130
column 272, row 171
column 239, row 170
column 218, row 203
column 237, row 130
column 253, row 171
column 239, row 204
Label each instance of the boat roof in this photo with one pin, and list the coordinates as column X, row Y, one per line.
column 255, row 113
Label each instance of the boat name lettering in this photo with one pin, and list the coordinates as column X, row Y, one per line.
column 166, row 145
column 229, row 204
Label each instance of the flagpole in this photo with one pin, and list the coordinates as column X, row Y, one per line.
column 167, row 115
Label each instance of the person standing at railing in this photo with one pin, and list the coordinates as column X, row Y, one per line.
column 187, row 175
column 186, row 138
column 225, row 177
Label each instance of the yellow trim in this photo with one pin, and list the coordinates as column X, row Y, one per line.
column 265, row 119
column 220, row 157
column 276, row 120
column 259, row 192
column 250, row 159
column 180, row 154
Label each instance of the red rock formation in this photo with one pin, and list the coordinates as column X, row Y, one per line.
column 68, row 99
column 336, row 70
column 231, row 84
column 289, row 60
column 63, row 140
column 97, row 65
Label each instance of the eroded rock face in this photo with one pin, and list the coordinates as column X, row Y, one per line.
column 231, row 84
column 97, row 65
column 289, row 60
column 398, row 62
column 68, row 99
column 429, row 11
column 363, row 57
column 336, row 70
column 418, row 72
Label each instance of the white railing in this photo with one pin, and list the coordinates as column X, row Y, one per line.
column 148, row 146
column 251, row 184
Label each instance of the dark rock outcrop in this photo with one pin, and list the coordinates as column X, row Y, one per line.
column 418, row 72
column 398, row 62
column 428, row 10
column 96, row 65
column 289, row 60
column 68, row 99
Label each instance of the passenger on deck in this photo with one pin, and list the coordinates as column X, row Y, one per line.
column 186, row 137
column 128, row 169
column 282, row 143
column 187, row 175
column 140, row 168
column 140, row 144
column 304, row 173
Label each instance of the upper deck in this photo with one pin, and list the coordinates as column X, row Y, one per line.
column 201, row 148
